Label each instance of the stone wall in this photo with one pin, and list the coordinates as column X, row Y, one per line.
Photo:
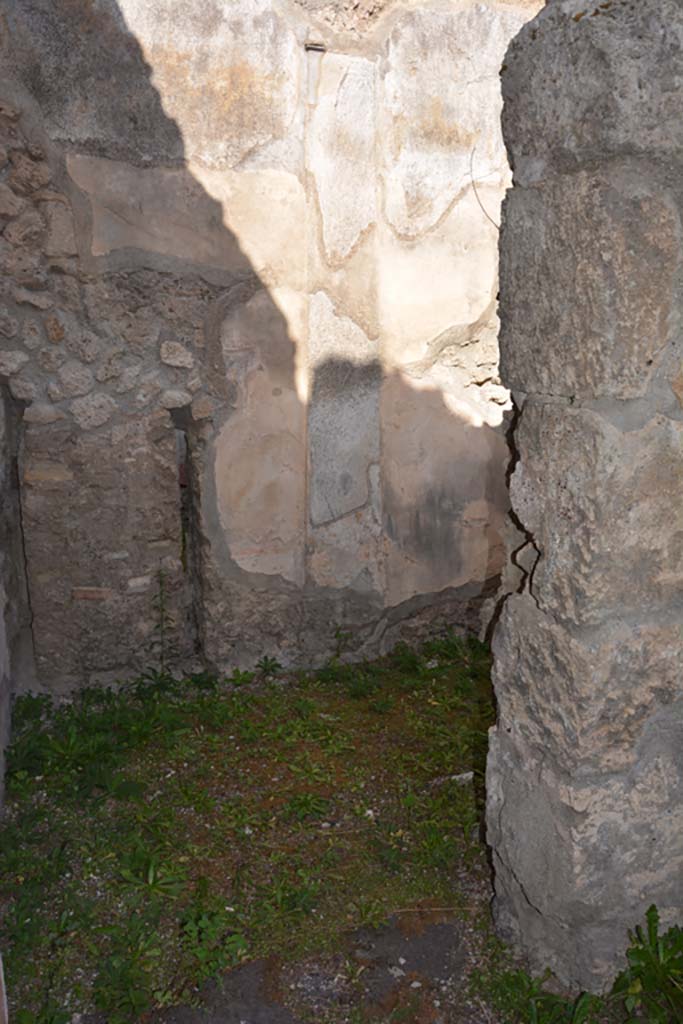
column 249, row 283
column 15, row 620
column 585, row 775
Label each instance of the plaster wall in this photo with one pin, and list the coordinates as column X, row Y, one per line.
column 249, row 282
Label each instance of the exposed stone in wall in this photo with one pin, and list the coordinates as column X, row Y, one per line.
column 350, row 17
column 586, row 767
column 281, row 264
column 351, row 20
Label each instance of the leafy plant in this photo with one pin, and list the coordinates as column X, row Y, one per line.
column 241, row 678
column 268, row 666
column 382, row 705
column 293, row 898
column 437, row 847
column 524, row 1000
column 210, row 938
column 361, row 686
column 307, row 805
column 342, row 638
column 50, row 1014
column 144, row 869
column 389, row 853
column 406, row 659
column 370, row 912
column 124, row 986
column 309, row 770
column 653, row 981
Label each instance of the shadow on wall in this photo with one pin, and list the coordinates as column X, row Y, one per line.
column 164, row 381
column 426, row 450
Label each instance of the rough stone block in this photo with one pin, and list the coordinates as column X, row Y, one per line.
column 596, row 499
column 49, row 473
column 61, row 240
column 578, row 863
column 9, row 325
column 26, row 229
column 39, row 413
column 11, row 204
column 73, row 380
column 579, row 317
column 583, row 701
column 174, row 354
column 27, row 175
column 33, row 334
column 39, row 300
column 23, row 388
column 11, row 361
column 91, row 594
column 93, row 410
column 585, row 82
column 175, row 399
column 50, row 359
column 55, row 328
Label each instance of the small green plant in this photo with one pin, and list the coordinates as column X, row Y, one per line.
column 293, row 898
column 653, row 981
column 437, row 847
column 307, row 805
column 371, row 913
column 211, row 940
column 406, row 659
column 309, row 770
column 525, row 1000
column 241, row 678
column 268, row 666
column 144, row 869
column 389, row 852
column 382, row 705
column 342, row 639
column 361, row 686
column 649, row 990
column 332, row 672
column 124, row 986
column 304, row 707
column 50, row 1014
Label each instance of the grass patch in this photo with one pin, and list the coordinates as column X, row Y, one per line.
column 159, row 834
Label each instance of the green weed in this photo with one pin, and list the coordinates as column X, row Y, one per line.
column 653, row 981
column 307, row 805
